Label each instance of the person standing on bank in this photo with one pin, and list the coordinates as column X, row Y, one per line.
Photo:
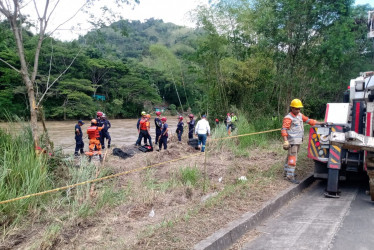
column 143, row 114
column 202, row 130
column 292, row 133
column 79, row 144
column 164, row 135
column 144, row 130
column 180, row 128
column 104, row 133
column 158, row 126
column 191, row 126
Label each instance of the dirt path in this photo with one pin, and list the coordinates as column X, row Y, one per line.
column 183, row 215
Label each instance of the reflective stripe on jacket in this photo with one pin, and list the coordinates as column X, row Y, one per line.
column 296, row 130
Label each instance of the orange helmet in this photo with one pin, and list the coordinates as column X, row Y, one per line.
column 148, row 115
column 93, row 121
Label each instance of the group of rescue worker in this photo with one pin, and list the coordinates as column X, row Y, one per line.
column 292, row 133
column 97, row 133
column 162, row 130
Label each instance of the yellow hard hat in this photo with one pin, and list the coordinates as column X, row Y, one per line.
column 296, row 103
column 143, row 113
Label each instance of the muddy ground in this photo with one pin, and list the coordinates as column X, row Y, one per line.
column 184, row 213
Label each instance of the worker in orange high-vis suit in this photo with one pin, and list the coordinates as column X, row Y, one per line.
column 94, row 136
column 293, row 134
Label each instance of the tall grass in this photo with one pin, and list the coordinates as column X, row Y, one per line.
column 22, row 172
column 244, row 125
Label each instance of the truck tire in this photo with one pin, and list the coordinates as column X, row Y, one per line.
column 320, row 170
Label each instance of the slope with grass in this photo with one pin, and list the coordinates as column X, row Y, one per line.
column 190, row 198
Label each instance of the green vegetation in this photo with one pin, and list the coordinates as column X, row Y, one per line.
column 251, row 57
column 22, row 172
column 190, row 175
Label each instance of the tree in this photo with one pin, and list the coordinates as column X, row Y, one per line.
column 11, row 10
column 77, row 101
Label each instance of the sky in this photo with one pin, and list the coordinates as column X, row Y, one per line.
column 175, row 11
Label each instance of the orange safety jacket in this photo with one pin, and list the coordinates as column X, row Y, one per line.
column 293, row 127
column 93, row 132
column 144, row 125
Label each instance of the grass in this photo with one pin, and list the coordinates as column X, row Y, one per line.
column 240, row 145
column 80, row 203
column 190, row 175
column 22, row 172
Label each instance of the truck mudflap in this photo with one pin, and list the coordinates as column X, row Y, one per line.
column 334, row 166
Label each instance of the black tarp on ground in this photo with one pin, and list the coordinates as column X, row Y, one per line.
column 124, row 155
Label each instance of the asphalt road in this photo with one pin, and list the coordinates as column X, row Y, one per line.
column 312, row 221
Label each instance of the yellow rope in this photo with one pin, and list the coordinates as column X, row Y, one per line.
column 125, row 172
column 255, row 133
column 95, row 180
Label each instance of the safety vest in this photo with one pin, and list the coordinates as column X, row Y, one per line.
column 296, row 131
column 93, row 132
column 143, row 125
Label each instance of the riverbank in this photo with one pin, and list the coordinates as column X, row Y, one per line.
column 123, row 132
column 187, row 207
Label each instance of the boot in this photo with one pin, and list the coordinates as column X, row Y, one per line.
column 293, row 180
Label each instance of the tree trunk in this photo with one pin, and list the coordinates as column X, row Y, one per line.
column 33, row 109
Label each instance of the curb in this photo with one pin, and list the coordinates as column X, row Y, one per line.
column 225, row 237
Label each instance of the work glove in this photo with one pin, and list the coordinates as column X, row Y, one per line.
column 286, row 145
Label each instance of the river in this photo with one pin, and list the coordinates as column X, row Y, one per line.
column 122, row 132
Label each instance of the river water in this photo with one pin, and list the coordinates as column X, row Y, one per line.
column 123, row 132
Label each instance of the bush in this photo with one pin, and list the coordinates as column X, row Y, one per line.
column 173, row 109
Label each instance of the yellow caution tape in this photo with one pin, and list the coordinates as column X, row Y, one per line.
column 125, row 172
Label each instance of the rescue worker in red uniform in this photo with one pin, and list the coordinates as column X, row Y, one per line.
column 293, row 134
column 94, row 136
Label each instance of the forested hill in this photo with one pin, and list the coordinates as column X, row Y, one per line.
column 132, row 39
column 255, row 57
